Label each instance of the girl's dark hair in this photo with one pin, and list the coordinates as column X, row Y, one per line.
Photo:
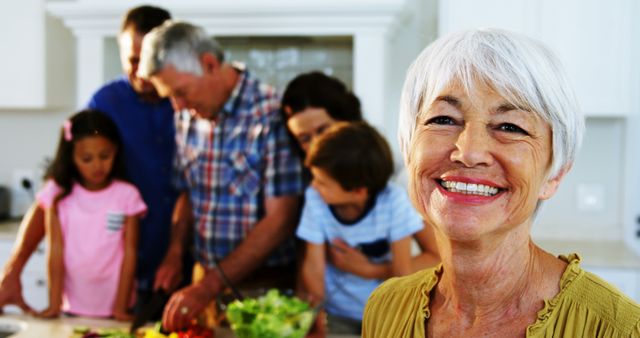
column 85, row 123
column 354, row 154
column 317, row 90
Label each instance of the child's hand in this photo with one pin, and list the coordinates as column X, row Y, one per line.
column 347, row 258
column 122, row 316
column 50, row 312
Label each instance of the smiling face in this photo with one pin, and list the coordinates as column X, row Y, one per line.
column 478, row 165
column 129, row 43
column 93, row 156
column 307, row 124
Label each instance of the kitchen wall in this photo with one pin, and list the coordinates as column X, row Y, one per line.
column 598, row 167
column 275, row 59
column 30, row 135
column 37, row 80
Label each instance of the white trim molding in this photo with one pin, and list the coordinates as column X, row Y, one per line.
column 369, row 22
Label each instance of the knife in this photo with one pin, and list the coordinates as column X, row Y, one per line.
column 150, row 310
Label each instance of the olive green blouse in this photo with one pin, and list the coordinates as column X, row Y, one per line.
column 586, row 306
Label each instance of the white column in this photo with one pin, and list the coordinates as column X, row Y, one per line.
column 369, row 51
column 90, row 66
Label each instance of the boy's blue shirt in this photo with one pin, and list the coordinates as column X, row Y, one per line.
column 391, row 218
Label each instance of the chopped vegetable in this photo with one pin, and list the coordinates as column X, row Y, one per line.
column 86, row 332
column 81, row 329
column 270, row 316
column 193, row 331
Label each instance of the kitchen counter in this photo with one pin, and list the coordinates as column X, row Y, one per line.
column 63, row 327
column 613, row 254
column 609, row 254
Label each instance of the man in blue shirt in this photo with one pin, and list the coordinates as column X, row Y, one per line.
column 146, row 125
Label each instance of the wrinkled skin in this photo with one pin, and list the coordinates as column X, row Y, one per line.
column 494, row 278
column 483, row 139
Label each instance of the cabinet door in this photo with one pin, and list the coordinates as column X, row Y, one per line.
column 5, row 250
column 515, row 15
column 23, row 62
column 35, row 290
column 36, row 62
column 34, row 276
column 624, row 279
column 593, row 40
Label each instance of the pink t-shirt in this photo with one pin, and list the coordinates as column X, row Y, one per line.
column 92, row 225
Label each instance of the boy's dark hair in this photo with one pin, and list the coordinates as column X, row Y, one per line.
column 144, row 18
column 85, row 123
column 317, row 90
column 354, row 154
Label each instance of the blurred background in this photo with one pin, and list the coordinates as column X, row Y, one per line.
column 56, row 53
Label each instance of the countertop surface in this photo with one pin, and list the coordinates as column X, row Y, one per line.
column 614, row 254
column 63, row 327
column 605, row 254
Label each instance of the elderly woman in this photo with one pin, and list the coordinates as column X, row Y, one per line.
column 488, row 129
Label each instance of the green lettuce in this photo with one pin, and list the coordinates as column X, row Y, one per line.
column 273, row 315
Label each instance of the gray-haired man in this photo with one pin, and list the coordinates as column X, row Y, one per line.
column 235, row 162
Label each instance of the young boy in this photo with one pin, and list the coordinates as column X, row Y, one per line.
column 350, row 199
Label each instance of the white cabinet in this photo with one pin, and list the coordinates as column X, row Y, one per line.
column 627, row 280
column 34, row 275
column 35, row 70
column 592, row 38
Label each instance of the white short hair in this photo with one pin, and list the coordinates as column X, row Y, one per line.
column 179, row 44
column 520, row 69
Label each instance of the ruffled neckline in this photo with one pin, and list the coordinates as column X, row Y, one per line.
column 571, row 273
column 429, row 284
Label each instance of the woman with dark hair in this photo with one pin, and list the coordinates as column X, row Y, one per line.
column 312, row 102
column 91, row 221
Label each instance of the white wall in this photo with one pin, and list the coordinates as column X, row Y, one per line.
column 30, row 135
column 599, row 164
column 416, row 32
column 42, row 55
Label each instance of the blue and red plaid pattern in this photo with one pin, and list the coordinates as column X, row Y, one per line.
column 229, row 164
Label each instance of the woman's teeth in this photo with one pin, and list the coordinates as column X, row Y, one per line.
column 469, row 188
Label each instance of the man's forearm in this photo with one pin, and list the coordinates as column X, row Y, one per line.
column 277, row 225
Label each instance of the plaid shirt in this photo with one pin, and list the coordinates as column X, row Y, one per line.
column 231, row 163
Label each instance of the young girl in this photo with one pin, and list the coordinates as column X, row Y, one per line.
column 91, row 219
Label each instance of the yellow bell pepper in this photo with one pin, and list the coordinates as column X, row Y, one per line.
column 151, row 333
